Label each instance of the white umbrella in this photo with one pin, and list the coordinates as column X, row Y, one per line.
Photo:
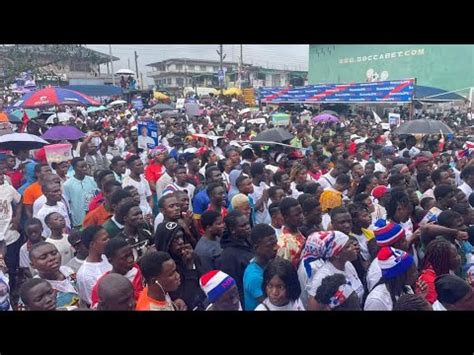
column 244, row 111
column 117, row 102
column 124, row 72
column 62, row 117
column 13, row 141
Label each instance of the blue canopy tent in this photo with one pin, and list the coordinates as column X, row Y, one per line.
column 97, row 90
column 431, row 94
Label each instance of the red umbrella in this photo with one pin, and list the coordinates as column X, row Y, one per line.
column 56, row 96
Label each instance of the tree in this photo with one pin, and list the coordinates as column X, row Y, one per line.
column 41, row 59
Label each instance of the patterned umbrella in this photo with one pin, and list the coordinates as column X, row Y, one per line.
column 55, row 97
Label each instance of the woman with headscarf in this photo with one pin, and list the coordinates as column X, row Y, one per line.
column 329, row 200
column 336, row 250
column 170, row 238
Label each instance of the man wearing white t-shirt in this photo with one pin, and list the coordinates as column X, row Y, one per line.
column 257, row 171
column 329, row 179
column 9, row 237
column 95, row 238
column 137, row 180
column 53, row 195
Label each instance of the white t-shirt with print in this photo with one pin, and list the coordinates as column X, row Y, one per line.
column 329, row 269
column 88, row 275
column 264, row 216
column 64, row 247
column 379, row 299
column 327, row 180
column 291, row 306
column 8, row 194
column 46, row 210
column 374, row 274
column 143, row 189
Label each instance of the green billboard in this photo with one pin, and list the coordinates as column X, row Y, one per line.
column 448, row 67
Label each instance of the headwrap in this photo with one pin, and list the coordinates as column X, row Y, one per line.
column 341, row 295
column 330, row 199
column 322, row 246
column 393, row 262
column 159, row 149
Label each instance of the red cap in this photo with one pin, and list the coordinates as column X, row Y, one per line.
column 40, row 155
column 379, row 191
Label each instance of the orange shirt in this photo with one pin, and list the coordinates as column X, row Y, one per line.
column 32, row 193
column 97, row 216
column 146, row 303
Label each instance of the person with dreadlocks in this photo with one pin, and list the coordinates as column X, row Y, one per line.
column 441, row 258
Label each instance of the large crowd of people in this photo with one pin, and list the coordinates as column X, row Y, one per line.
column 343, row 216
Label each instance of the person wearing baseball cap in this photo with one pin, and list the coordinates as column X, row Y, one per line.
column 399, row 275
column 221, row 291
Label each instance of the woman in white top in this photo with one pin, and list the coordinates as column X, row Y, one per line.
column 399, row 275
column 281, row 287
column 337, row 251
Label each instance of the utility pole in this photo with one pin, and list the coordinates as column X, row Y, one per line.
column 136, row 66
column 112, row 65
column 222, row 56
column 128, row 59
column 241, row 62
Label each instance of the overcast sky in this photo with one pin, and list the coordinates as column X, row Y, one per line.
column 293, row 57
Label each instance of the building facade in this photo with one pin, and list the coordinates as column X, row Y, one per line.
column 93, row 70
column 175, row 74
column 447, row 67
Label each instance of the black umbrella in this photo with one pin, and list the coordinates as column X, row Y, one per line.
column 169, row 113
column 274, row 135
column 423, row 126
column 162, row 107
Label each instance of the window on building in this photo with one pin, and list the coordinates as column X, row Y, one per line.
column 79, row 66
column 215, row 69
column 202, row 68
column 191, row 67
column 179, row 67
column 169, row 81
column 180, row 81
